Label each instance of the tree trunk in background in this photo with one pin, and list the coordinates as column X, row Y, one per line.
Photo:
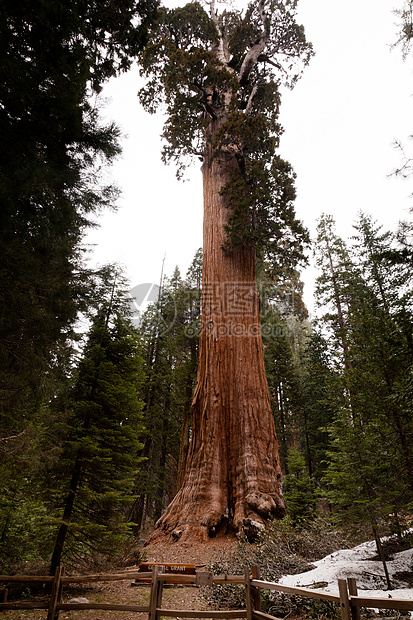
column 233, row 477
column 184, row 443
column 187, row 413
column 67, row 514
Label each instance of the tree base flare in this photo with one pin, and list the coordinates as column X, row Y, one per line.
column 180, row 523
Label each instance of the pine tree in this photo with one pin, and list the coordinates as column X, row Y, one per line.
column 55, row 55
column 170, row 332
column 282, row 379
column 369, row 430
column 362, row 480
column 320, row 394
column 299, row 489
column 103, row 421
column 380, row 341
column 333, row 260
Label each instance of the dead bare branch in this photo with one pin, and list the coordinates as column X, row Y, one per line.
column 10, row 437
column 248, row 108
column 258, row 48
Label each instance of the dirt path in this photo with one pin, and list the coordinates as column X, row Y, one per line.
column 198, row 554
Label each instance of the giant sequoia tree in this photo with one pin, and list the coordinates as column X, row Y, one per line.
column 218, row 76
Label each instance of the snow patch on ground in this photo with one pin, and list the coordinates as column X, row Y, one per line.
column 357, row 563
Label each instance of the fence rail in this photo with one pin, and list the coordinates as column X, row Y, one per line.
column 320, row 594
column 348, row 599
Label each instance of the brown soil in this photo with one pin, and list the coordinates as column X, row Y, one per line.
column 127, row 592
column 196, row 553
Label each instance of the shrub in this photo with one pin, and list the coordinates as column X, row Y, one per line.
column 281, row 549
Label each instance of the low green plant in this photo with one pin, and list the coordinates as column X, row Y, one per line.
column 283, row 605
column 282, row 549
column 299, row 489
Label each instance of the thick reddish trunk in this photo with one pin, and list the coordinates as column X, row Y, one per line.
column 233, row 474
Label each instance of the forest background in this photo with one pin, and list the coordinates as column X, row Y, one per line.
column 95, row 426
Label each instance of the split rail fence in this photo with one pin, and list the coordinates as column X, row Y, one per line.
column 348, row 598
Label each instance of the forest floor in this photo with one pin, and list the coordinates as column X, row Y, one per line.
column 359, row 562
column 129, row 593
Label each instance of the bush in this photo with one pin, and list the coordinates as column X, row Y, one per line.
column 283, row 605
column 281, row 549
column 299, row 489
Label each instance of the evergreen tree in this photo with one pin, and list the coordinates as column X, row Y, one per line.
column 54, row 56
column 282, row 379
column 332, row 291
column 299, row 489
column 170, row 332
column 320, row 394
column 381, row 342
column 103, row 422
column 23, row 513
column 299, row 373
column 362, row 479
column 370, row 430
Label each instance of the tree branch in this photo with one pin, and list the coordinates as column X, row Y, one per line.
column 10, row 437
column 206, row 100
column 248, row 108
column 265, row 58
column 256, row 50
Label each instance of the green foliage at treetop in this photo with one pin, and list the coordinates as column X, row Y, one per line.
column 198, row 68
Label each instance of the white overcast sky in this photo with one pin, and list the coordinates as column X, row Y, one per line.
column 340, row 121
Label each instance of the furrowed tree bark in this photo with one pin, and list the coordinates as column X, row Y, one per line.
column 233, row 476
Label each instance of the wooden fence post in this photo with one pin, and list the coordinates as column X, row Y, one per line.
column 55, row 594
column 256, row 592
column 154, row 594
column 159, row 592
column 3, row 595
column 352, row 590
column 248, row 593
column 344, row 600
column 203, row 578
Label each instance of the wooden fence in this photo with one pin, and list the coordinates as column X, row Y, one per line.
column 348, row 599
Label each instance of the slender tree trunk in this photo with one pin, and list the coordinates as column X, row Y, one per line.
column 382, row 557
column 341, row 321
column 138, row 511
column 187, row 415
column 184, row 443
column 67, row 514
column 283, row 438
column 308, row 446
column 233, row 475
column 163, row 452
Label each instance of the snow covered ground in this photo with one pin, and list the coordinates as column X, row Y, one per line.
column 357, row 563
